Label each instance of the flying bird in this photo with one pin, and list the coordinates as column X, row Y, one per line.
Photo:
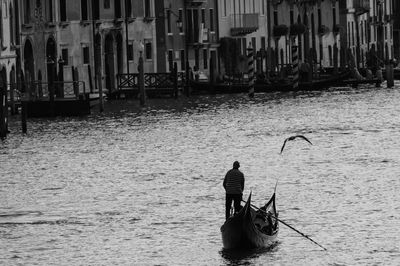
column 292, row 138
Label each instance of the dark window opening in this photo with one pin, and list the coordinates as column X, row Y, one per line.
column 64, row 54
column 130, row 52
column 147, row 8
column 50, row 10
column 291, row 17
column 334, row 16
column 12, row 26
column 276, row 17
column 211, row 19
column 84, row 10
column 183, row 60
column 319, row 18
column 148, row 51
column 63, row 10
column 170, row 60
column 107, row 4
column 117, row 7
column 86, row 56
column 169, row 21
column 1, row 25
column 128, row 8
column 96, row 9
column 263, row 43
column 181, row 19
column 27, row 12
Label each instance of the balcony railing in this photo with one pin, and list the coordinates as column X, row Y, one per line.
column 242, row 24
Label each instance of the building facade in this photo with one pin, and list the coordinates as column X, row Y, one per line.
column 368, row 31
column 9, row 41
column 265, row 26
column 187, row 35
column 88, row 40
column 396, row 29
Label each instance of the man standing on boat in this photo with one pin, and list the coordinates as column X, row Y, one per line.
column 234, row 186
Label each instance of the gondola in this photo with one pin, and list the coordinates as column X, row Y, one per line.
column 202, row 87
column 322, row 83
column 251, row 227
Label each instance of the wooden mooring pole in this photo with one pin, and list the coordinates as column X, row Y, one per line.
column 142, row 91
column 90, row 79
column 24, row 115
column 389, row 74
column 175, row 77
column 3, row 110
column 100, row 86
column 12, row 98
column 187, row 79
column 295, row 62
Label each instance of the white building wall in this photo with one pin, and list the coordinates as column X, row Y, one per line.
column 8, row 49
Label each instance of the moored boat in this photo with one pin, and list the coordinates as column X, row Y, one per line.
column 275, row 85
column 251, row 227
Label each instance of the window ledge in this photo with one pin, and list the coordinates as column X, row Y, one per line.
column 118, row 20
column 50, row 24
column 64, row 24
column 27, row 26
column 148, row 19
column 131, row 19
column 85, row 22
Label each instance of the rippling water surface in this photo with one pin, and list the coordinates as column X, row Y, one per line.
column 144, row 186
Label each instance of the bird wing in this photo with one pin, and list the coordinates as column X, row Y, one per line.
column 283, row 146
column 301, row 136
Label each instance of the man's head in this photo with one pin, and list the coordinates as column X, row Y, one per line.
column 236, row 165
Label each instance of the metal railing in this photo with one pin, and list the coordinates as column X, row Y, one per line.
column 151, row 80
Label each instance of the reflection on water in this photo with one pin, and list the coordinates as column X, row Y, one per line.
column 143, row 186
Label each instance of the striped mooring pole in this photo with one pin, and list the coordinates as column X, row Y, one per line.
column 295, row 62
column 250, row 64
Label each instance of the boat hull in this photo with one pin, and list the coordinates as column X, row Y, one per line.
column 240, row 231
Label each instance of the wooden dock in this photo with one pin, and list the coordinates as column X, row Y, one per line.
column 156, row 85
column 68, row 99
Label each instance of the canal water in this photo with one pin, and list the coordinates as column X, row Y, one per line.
column 136, row 186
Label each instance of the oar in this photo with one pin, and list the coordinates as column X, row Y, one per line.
column 291, row 227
